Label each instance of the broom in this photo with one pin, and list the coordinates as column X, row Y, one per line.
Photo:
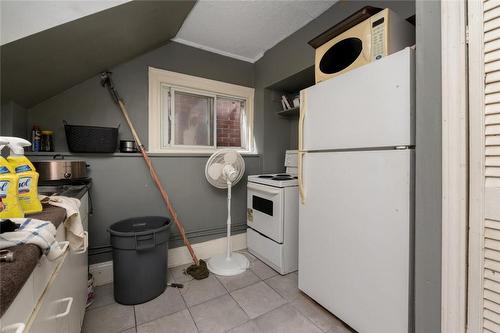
column 199, row 268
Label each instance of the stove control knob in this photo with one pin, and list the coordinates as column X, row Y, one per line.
column 67, row 175
column 249, row 215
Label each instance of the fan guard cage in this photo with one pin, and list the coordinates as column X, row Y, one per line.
column 219, row 158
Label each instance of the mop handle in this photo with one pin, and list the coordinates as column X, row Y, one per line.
column 156, row 180
column 106, row 81
column 129, row 122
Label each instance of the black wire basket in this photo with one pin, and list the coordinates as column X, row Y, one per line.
column 91, row 139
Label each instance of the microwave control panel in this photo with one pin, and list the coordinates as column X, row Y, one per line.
column 378, row 39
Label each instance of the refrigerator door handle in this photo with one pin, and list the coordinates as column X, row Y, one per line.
column 301, row 119
column 301, row 177
column 303, row 108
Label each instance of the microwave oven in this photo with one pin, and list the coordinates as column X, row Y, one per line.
column 379, row 35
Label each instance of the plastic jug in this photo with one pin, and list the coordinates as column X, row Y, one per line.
column 10, row 206
column 27, row 189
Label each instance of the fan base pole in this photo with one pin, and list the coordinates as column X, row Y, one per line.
column 236, row 264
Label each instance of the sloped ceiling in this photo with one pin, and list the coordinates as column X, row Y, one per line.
column 39, row 66
column 19, row 19
column 246, row 29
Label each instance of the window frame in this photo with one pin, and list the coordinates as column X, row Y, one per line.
column 171, row 132
column 159, row 78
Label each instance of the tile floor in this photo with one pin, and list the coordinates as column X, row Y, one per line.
column 259, row 300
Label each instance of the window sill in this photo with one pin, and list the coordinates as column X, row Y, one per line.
column 195, row 152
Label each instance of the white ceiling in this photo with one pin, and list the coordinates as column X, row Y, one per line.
column 245, row 29
column 23, row 18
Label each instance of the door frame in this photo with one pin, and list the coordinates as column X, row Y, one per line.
column 454, row 166
column 477, row 164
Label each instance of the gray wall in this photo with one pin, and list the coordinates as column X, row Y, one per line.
column 273, row 134
column 428, row 169
column 290, row 57
column 13, row 120
column 293, row 55
column 89, row 103
column 121, row 186
column 276, row 132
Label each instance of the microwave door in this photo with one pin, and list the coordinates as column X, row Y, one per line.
column 341, row 55
column 265, row 215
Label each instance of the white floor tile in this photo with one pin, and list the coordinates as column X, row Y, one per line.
column 170, row 277
column 199, row 291
column 340, row 329
column 167, row 303
column 249, row 256
column 212, row 309
column 248, row 327
column 262, row 270
column 239, row 281
column 130, row 330
column 178, row 274
column 218, row 315
column 318, row 315
column 179, row 322
column 111, row 318
column 257, row 299
column 285, row 285
column 285, row 319
column 103, row 296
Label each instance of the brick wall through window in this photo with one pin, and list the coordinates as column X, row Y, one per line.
column 228, row 122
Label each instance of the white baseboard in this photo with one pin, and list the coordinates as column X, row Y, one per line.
column 103, row 272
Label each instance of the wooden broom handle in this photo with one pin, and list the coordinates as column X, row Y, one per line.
column 156, row 180
column 129, row 122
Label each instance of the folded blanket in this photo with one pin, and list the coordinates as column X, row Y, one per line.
column 73, row 223
column 32, row 231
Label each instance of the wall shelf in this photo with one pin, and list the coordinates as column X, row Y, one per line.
column 50, row 155
column 290, row 112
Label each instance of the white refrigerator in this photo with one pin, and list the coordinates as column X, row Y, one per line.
column 356, row 142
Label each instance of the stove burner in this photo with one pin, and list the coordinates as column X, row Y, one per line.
column 266, row 176
column 282, row 178
column 283, row 175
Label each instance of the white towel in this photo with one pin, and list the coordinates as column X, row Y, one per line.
column 73, row 223
column 32, row 231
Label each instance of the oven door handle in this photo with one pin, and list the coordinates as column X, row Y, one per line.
column 263, row 189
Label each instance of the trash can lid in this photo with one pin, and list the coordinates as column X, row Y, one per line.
column 139, row 225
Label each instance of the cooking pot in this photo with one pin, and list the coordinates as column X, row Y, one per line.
column 128, row 146
column 57, row 169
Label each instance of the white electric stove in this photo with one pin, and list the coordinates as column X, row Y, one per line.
column 273, row 216
column 275, row 179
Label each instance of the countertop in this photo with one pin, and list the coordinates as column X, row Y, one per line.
column 72, row 191
column 14, row 274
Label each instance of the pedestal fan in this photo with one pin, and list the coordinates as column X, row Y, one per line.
column 223, row 170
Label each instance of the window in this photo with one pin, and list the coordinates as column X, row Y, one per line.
column 196, row 115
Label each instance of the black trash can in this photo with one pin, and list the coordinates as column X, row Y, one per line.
column 139, row 258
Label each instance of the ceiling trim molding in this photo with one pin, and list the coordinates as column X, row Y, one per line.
column 214, row 50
